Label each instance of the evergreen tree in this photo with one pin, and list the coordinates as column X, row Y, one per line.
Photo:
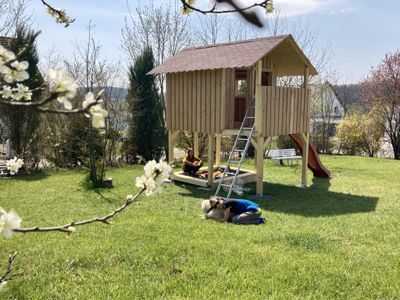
column 22, row 124
column 146, row 134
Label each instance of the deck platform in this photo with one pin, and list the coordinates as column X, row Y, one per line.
column 246, row 176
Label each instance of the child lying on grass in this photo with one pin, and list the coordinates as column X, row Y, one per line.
column 237, row 211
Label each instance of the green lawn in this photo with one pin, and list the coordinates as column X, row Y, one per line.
column 337, row 239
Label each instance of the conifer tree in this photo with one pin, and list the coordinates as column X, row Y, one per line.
column 146, row 133
column 22, row 124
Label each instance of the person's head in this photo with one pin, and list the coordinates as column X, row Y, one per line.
column 212, row 210
column 190, row 152
column 216, row 202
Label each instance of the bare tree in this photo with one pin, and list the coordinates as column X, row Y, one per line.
column 213, row 29
column 12, row 15
column 324, row 109
column 164, row 29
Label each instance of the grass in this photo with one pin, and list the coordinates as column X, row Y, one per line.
column 336, row 239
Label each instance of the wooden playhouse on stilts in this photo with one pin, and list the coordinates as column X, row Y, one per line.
column 231, row 89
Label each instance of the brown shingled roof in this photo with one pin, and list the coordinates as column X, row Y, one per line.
column 242, row 54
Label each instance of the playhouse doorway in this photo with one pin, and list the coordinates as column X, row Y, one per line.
column 241, row 94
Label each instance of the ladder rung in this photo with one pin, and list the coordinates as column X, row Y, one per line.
column 242, row 139
column 226, row 185
column 235, row 161
column 250, row 117
column 238, row 150
column 247, row 128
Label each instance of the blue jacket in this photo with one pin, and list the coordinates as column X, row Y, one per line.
column 240, row 206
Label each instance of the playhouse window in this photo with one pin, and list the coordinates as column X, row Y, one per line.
column 240, row 88
column 240, row 83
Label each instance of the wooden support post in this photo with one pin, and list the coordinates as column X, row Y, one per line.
column 260, row 165
column 218, row 150
column 171, row 143
column 258, row 100
column 196, row 144
column 211, row 146
column 254, row 143
column 224, row 116
column 305, row 137
column 306, row 79
column 304, row 167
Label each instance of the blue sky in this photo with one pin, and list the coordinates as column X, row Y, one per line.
column 360, row 32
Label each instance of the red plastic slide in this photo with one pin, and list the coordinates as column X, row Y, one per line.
column 314, row 163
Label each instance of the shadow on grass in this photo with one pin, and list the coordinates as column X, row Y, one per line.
column 314, row 201
column 114, row 199
column 39, row 175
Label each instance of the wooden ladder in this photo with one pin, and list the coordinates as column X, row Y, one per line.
column 248, row 124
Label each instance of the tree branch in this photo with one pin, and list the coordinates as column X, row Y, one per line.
column 249, row 16
column 68, row 228
column 40, row 105
column 7, row 276
column 60, row 13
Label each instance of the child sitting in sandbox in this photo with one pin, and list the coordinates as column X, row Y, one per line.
column 191, row 163
column 237, row 211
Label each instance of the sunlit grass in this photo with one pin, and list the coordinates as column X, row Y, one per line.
column 336, row 239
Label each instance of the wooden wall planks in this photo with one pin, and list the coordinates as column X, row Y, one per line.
column 194, row 101
column 286, row 110
column 203, row 101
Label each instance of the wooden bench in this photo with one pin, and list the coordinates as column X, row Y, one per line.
column 280, row 155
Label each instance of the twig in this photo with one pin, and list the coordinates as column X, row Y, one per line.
column 7, row 276
column 232, row 3
column 39, row 106
column 57, row 11
column 249, row 16
column 67, row 227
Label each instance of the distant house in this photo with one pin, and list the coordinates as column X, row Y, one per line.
column 350, row 96
column 327, row 108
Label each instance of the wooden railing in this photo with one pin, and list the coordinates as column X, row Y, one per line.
column 286, row 110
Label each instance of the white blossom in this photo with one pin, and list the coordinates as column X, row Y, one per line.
column 64, row 85
column 150, row 168
column 97, row 113
column 164, row 168
column 22, row 92
column 6, row 55
column 89, row 99
column 60, row 15
column 147, row 183
column 269, row 7
column 98, row 116
column 129, row 198
column 8, row 222
column 7, row 92
column 13, row 165
column 17, row 72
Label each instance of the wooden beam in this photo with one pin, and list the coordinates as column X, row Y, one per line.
column 260, row 166
column 258, row 99
column 223, row 114
column 306, row 77
column 171, row 142
column 304, row 167
column 211, row 146
column 196, row 144
column 218, row 150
